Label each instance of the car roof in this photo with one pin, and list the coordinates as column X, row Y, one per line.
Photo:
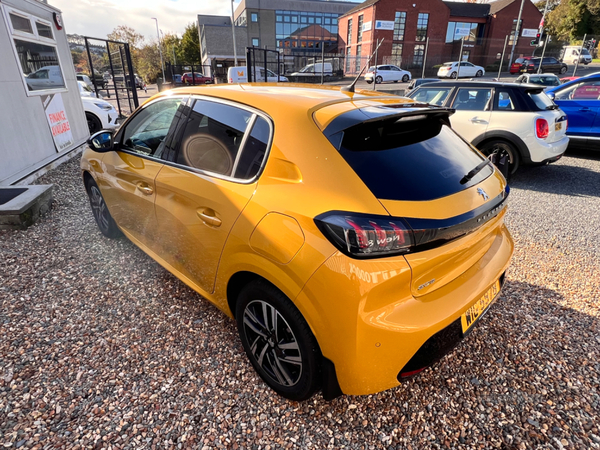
column 283, row 99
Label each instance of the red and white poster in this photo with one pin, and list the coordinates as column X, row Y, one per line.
column 58, row 121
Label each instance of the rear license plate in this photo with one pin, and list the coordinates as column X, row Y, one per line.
column 558, row 126
column 475, row 312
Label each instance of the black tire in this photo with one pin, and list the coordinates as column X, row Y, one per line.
column 291, row 371
column 453, row 75
column 479, row 73
column 94, row 123
column 369, row 81
column 563, row 69
column 405, row 78
column 104, row 220
column 379, row 79
column 501, row 147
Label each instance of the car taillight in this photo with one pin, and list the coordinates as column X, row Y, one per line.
column 541, row 128
column 363, row 236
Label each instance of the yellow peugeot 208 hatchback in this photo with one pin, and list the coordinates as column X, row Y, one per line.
column 354, row 237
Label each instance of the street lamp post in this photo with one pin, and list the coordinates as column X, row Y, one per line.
column 233, row 32
column 162, row 67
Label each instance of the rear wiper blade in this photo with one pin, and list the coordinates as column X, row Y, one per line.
column 468, row 177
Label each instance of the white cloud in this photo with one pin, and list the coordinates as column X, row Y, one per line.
column 97, row 18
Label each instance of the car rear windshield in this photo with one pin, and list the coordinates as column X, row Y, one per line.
column 541, row 100
column 447, row 64
column 412, row 158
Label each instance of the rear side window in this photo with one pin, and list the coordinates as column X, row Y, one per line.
column 224, row 139
column 472, row 99
column 504, row 101
column 212, row 137
column 541, row 100
column 413, row 158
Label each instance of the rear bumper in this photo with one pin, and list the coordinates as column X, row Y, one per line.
column 541, row 152
column 369, row 324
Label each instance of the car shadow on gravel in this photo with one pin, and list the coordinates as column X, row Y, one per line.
column 558, row 179
column 525, row 376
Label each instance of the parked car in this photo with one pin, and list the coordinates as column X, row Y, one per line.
column 546, row 80
column 516, row 120
column 198, row 78
column 416, row 82
column 467, row 69
column 86, row 91
column 549, row 64
column 86, row 80
column 387, row 72
column 564, row 80
column 515, row 67
column 346, row 283
column 100, row 114
column 48, row 77
column 239, row 75
column 580, row 99
column 314, row 70
column 571, row 53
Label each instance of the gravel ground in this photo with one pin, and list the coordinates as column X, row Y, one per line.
column 102, row 348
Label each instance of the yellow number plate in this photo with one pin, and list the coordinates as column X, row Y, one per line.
column 558, row 126
column 472, row 314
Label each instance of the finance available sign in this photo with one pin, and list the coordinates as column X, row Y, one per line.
column 58, row 121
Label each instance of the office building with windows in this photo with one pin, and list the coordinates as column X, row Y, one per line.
column 432, row 32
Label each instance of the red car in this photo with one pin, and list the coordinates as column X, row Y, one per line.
column 198, row 78
column 515, row 67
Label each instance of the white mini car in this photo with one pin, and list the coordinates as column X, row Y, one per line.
column 506, row 119
column 466, row 69
column 387, row 73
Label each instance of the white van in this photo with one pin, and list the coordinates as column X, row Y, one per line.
column 571, row 52
column 314, row 70
column 239, row 75
column 48, row 77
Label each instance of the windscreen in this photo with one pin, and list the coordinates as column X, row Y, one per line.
column 413, row 158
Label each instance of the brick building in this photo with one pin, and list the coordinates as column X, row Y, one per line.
column 430, row 32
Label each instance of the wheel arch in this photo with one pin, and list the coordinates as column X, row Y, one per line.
column 329, row 384
column 504, row 136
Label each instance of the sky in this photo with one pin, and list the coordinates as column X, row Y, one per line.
column 97, row 18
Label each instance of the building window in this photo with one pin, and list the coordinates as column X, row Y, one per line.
column 456, row 31
column 358, row 61
column 293, row 26
column 349, row 40
column 255, row 42
column 422, row 23
column 241, row 20
column 399, row 24
column 397, row 55
column 511, row 39
column 36, row 52
column 254, row 17
column 418, row 55
column 348, row 53
column 359, row 30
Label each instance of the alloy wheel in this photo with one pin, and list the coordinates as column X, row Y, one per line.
column 272, row 343
column 99, row 208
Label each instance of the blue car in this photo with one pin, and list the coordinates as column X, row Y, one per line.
column 580, row 100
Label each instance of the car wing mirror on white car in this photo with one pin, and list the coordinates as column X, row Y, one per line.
column 101, row 142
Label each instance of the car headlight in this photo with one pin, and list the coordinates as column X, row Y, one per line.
column 104, row 106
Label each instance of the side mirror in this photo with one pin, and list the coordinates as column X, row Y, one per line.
column 101, row 142
column 550, row 94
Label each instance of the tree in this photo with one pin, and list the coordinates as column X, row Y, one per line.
column 172, row 49
column 123, row 33
column 190, row 44
column 574, row 18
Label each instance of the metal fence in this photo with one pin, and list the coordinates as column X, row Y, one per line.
column 174, row 73
column 425, row 57
column 111, row 72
